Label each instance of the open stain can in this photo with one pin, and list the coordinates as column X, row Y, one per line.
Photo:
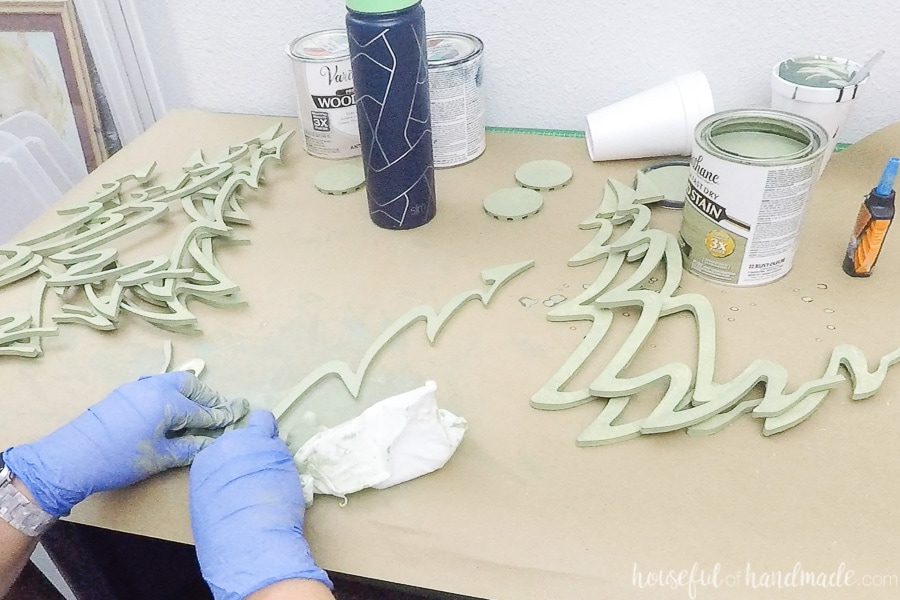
column 751, row 175
column 325, row 98
column 457, row 103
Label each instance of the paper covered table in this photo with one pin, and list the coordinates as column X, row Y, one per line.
column 520, row 511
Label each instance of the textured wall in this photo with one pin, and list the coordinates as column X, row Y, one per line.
column 547, row 63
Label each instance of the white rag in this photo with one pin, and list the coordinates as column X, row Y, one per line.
column 394, row 440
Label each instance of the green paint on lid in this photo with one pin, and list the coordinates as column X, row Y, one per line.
column 379, row 6
column 759, row 144
column 669, row 179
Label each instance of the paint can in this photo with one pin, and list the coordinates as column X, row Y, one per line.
column 751, row 175
column 325, row 98
column 457, row 102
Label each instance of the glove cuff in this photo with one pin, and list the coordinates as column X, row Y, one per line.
column 27, row 466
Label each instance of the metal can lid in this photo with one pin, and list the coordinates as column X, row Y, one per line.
column 320, row 46
column 769, row 137
column 448, row 48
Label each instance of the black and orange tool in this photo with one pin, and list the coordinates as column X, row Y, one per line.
column 872, row 223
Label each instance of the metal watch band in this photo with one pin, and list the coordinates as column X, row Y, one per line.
column 19, row 511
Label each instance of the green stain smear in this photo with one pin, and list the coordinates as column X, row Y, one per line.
column 816, row 71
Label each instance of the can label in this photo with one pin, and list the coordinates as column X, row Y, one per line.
column 457, row 103
column 325, row 98
column 741, row 222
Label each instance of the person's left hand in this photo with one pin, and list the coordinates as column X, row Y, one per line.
column 139, row 429
column 247, row 512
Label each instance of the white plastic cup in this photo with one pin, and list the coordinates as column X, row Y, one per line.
column 828, row 105
column 657, row 122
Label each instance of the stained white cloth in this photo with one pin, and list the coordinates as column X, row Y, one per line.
column 395, row 440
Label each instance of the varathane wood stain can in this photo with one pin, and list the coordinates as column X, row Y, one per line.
column 751, row 175
column 325, row 98
column 457, row 102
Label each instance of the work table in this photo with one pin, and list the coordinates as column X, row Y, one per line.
column 520, row 511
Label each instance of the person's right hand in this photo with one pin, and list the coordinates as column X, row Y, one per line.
column 141, row 428
column 247, row 512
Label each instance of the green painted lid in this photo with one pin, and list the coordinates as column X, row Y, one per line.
column 379, row 6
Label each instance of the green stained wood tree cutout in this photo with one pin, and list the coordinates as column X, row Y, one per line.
column 77, row 257
column 692, row 401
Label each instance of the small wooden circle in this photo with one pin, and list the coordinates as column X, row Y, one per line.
column 544, row 175
column 513, row 204
column 341, row 179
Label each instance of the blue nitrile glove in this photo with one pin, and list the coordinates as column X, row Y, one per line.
column 247, row 512
column 122, row 439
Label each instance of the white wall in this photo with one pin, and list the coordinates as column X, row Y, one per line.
column 548, row 63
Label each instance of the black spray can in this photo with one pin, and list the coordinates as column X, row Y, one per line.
column 389, row 59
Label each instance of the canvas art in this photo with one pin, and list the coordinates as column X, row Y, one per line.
column 43, row 70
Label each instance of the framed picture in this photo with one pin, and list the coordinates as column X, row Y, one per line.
column 124, row 68
column 43, row 69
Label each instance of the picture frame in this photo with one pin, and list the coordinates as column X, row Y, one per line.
column 123, row 66
column 43, row 68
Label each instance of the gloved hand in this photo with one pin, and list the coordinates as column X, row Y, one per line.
column 122, row 439
column 247, row 512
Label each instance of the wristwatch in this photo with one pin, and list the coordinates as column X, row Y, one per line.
column 19, row 511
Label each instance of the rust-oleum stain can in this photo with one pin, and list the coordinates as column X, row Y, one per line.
column 750, row 178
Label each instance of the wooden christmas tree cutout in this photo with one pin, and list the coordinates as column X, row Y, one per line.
column 77, row 258
column 434, row 324
column 692, row 400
